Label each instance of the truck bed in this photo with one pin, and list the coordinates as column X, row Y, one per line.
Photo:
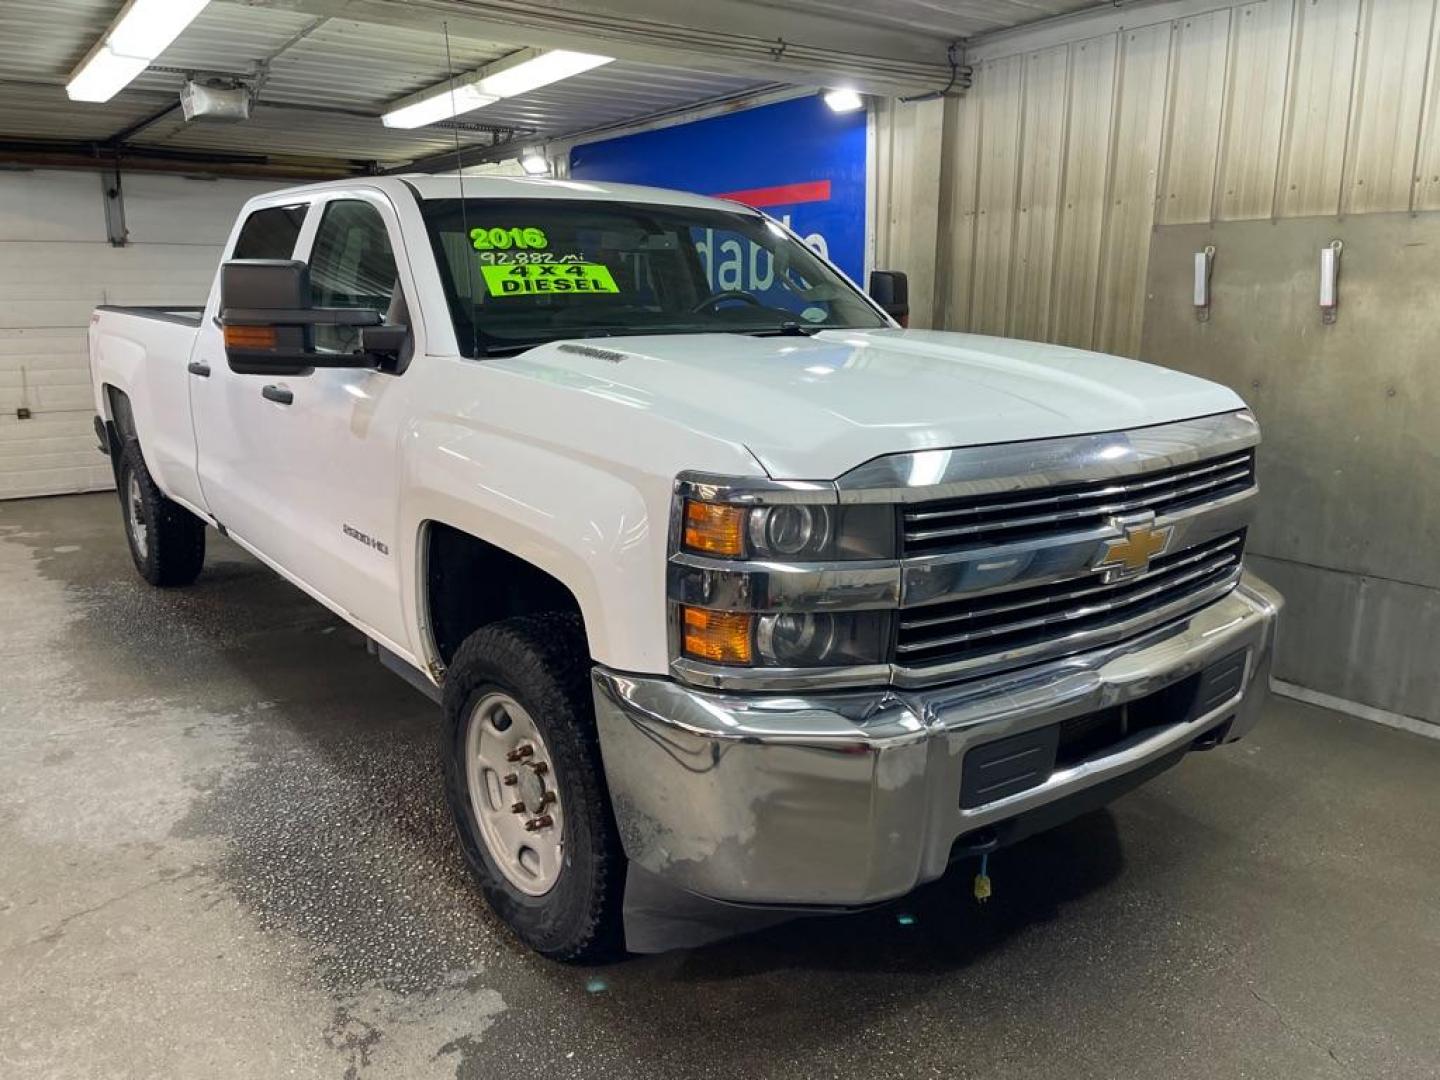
column 142, row 353
column 183, row 314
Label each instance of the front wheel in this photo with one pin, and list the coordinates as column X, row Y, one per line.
column 166, row 541
column 527, row 789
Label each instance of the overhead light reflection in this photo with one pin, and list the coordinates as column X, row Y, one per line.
column 928, row 467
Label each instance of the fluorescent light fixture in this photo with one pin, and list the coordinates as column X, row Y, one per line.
column 147, row 27
column 103, row 75
column 143, row 30
column 519, row 73
column 442, row 106
column 534, row 163
column 548, row 67
column 843, row 100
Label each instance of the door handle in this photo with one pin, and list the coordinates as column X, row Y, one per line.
column 279, row 394
column 197, row 368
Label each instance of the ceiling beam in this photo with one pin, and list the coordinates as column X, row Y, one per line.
column 1077, row 25
column 730, row 37
column 79, row 154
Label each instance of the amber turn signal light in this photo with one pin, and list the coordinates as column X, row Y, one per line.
column 714, row 528
column 721, row 637
column 250, row 337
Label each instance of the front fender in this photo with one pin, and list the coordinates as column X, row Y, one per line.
column 600, row 530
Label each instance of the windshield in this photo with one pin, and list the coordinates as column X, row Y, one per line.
column 524, row 271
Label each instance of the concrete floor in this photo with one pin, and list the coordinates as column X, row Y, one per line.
column 223, row 852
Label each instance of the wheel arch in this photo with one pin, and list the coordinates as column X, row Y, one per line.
column 117, row 423
column 466, row 582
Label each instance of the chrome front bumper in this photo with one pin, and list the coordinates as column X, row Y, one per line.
column 849, row 798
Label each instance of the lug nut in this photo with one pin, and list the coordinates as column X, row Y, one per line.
column 547, row 799
column 544, row 821
column 517, row 807
column 510, row 779
column 520, row 753
column 539, row 768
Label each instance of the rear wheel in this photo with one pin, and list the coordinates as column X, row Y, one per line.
column 166, row 541
column 527, row 789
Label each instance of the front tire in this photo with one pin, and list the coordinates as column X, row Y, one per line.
column 166, row 541
column 526, row 787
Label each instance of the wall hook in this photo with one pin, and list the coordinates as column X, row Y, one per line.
column 1330, row 280
column 1204, row 267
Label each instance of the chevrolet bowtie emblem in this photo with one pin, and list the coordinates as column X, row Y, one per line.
column 1131, row 554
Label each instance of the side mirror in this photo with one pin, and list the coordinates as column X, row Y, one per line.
column 269, row 324
column 891, row 290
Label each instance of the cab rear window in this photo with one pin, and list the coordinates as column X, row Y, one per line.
column 270, row 233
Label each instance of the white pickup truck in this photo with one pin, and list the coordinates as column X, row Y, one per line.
column 742, row 600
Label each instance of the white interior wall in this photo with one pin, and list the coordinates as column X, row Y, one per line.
column 56, row 265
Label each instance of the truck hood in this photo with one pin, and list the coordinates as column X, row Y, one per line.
column 814, row 408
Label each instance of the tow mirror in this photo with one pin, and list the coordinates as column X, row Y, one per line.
column 891, row 290
column 269, row 323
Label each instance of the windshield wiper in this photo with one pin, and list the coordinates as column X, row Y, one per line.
column 507, row 349
column 510, row 348
column 788, row 329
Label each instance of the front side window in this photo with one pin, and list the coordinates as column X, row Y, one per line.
column 520, row 272
column 351, row 265
column 270, row 233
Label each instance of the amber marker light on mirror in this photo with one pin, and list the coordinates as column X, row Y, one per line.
column 721, row 637
column 250, row 337
column 714, row 528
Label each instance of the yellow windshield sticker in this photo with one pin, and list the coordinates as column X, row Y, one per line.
column 503, row 238
column 521, row 279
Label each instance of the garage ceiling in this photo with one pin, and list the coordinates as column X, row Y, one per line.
column 324, row 70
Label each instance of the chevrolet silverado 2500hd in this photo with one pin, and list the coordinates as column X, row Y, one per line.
column 741, row 599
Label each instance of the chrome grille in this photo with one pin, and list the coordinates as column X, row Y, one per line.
column 1036, row 513
column 1081, row 609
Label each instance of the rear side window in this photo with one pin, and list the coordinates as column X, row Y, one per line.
column 351, row 265
column 270, row 233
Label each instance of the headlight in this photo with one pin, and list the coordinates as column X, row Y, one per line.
column 785, row 639
column 779, row 584
column 789, row 532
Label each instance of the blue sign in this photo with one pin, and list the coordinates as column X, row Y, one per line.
column 797, row 160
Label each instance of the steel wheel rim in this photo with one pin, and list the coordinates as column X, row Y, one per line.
column 135, row 517
column 514, row 794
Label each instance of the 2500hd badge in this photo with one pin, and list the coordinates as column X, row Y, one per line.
column 366, row 539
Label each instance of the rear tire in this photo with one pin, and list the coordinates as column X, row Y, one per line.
column 166, row 541
column 555, row 870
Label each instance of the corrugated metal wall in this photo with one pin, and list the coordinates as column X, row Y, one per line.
column 907, row 142
column 1066, row 152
